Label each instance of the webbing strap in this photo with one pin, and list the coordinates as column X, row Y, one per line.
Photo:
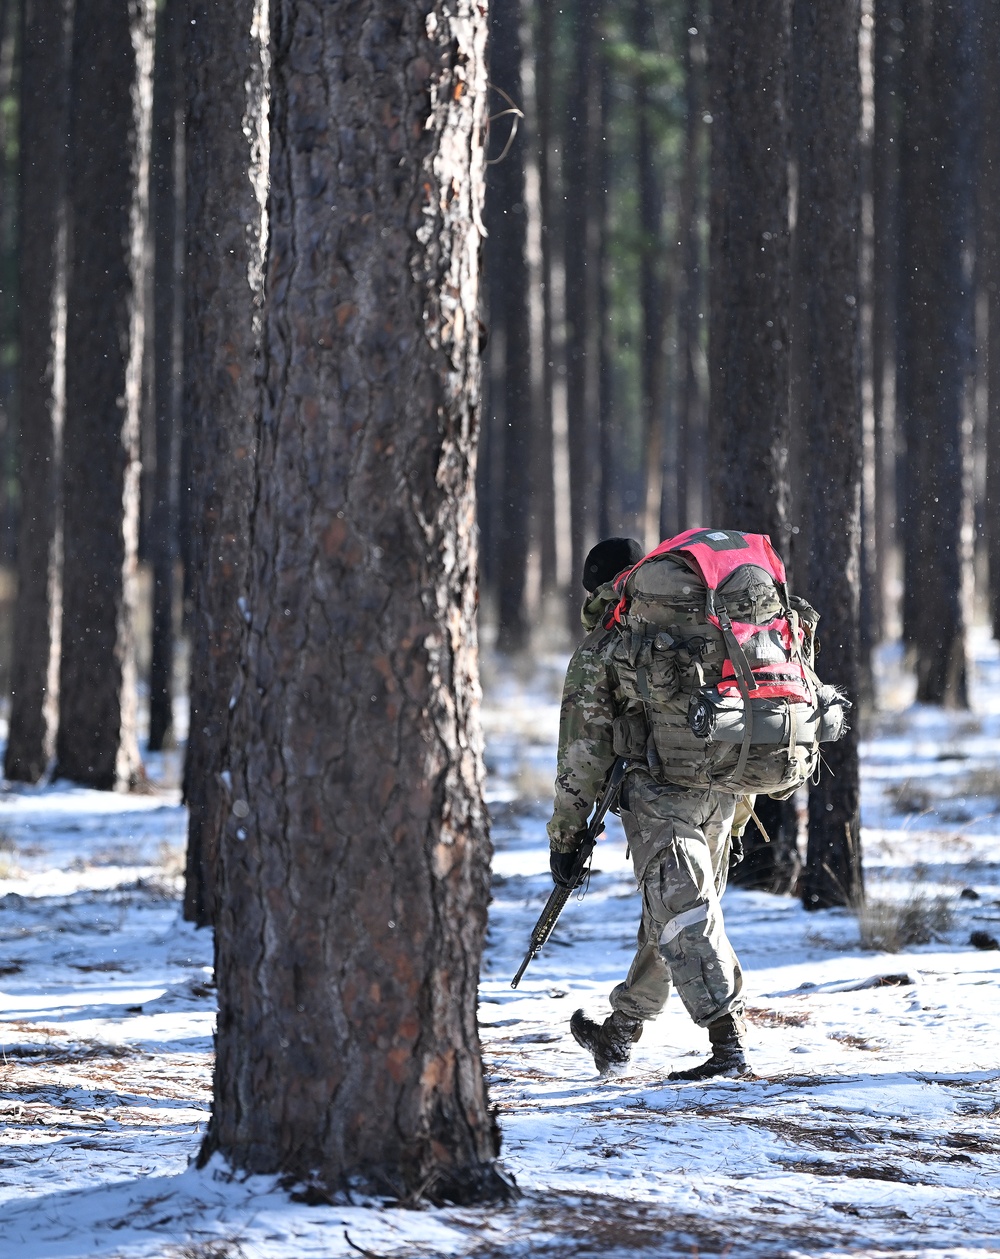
column 744, row 680
column 759, row 824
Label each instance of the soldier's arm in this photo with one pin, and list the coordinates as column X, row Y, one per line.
column 586, row 743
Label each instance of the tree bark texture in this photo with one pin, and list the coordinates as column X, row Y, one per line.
column 10, row 59
column 653, row 358
column 354, row 865
column 542, row 550
column 749, row 285
column 988, row 250
column 226, row 235
column 600, row 342
column 749, row 281
column 829, row 231
column 110, row 111
column 936, row 339
column 507, row 271
column 42, row 283
column 554, row 307
column 885, row 222
column 692, row 420
column 582, row 287
column 166, row 189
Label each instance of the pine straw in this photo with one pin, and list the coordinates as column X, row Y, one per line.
column 762, row 1017
column 553, row 1226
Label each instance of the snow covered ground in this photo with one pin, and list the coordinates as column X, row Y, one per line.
column 871, row 1128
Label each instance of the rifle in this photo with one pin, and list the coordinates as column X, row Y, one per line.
column 560, row 895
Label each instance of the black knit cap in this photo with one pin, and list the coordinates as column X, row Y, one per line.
column 608, row 559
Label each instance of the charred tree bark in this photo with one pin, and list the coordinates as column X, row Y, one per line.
column 43, row 118
column 829, row 231
column 108, row 195
column 354, row 866
column 167, row 334
column 936, row 339
column 507, row 267
column 227, row 59
column 749, row 284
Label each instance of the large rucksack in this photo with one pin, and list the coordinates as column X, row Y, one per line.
column 719, row 662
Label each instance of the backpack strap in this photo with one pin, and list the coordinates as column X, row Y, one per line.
column 744, row 680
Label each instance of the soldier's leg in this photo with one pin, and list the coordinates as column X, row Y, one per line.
column 682, row 900
column 644, row 992
column 681, row 848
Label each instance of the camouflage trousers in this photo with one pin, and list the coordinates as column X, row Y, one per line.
column 679, row 839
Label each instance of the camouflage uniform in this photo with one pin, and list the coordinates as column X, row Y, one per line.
column 679, row 839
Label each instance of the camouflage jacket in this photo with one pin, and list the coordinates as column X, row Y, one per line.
column 590, row 702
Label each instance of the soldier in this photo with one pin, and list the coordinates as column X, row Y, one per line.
column 682, row 841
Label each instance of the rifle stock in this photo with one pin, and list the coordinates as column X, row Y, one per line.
column 558, row 897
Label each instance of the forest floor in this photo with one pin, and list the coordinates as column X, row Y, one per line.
column 870, row 1128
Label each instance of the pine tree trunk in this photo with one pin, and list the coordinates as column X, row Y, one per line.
column 225, row 248
column 660, row 490
column 691, row 417
column 582, row 384
column 600, row 341
column 885, row 218
column 354, row 866
column 870, row 615
column 35, row 659
column 542, row 482
column 749, row 339
column 166, row 366
column 554, row 311
column 749, row 283
column 988, row 250
column 10, row 67
column 506, row 243
column 936, row 340
column 829, row 231
column 108, row 195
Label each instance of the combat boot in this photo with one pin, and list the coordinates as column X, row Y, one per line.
column 727, row 1038
column 610, row 1042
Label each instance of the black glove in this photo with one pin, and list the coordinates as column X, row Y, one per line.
column 563, row 867
column 736, row 853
